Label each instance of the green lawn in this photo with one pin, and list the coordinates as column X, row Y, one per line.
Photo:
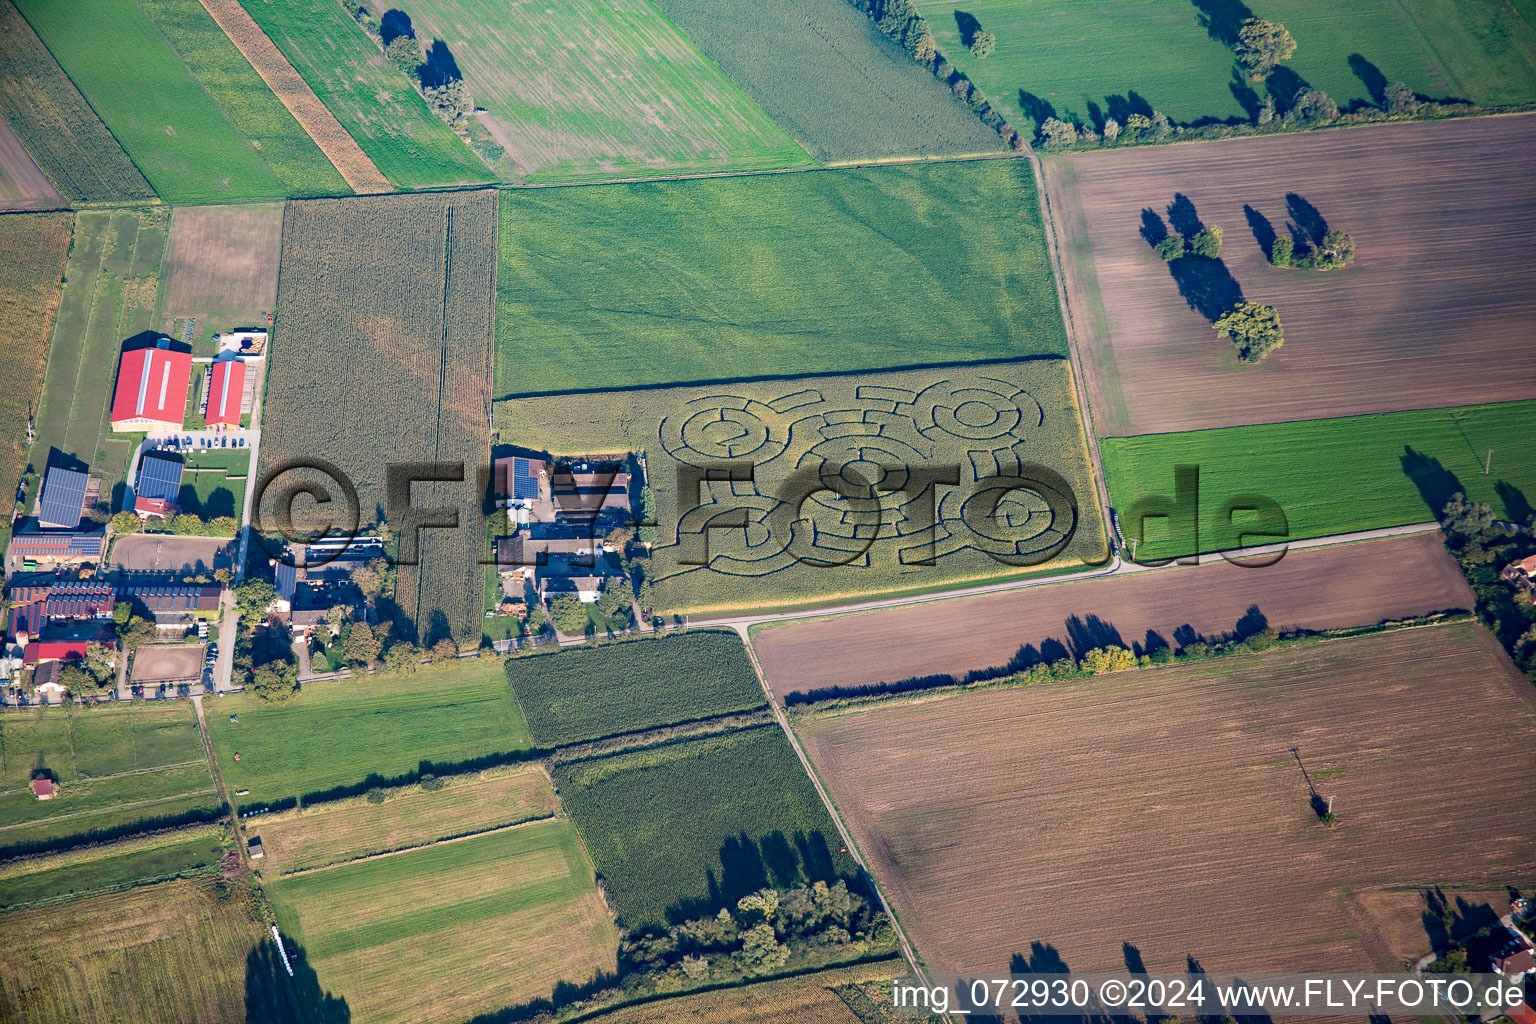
column 693, row 826
column 188, row 108
column 372, row 99
column 585, row 693
column 114, row 764
column 601, row 89
column 112, row 278
column 1334, row 476
column 211, row 493
column 1061, row 58
column 624, row 285
column 341, row 733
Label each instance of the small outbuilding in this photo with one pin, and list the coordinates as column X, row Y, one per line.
column 43, row 788
column 254, row 848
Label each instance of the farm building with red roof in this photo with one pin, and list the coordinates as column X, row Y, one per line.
column 225, row 383
column 39, row 651
column 151, row 389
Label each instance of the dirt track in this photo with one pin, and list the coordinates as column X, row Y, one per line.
column 313, row 116
column 1323, row 588
column 1163, row 808
column 1436, row 311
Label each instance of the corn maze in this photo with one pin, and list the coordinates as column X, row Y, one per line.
column 820, row 487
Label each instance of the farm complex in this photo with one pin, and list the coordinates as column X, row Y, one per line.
column 640, row 511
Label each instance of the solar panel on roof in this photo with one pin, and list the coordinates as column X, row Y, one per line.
column 62, row 499
column 524, row 483
column 159, row 478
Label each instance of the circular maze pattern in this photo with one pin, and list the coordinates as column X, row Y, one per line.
column 861, row 465
column 989, row 410
column 720, row 428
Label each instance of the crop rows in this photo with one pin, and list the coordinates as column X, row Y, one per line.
column 589, row 693
column 680, row 831
column 381, row 356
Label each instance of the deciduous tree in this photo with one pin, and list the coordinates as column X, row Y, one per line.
column 1262, row 46
column 1254, row 328
column 982, row 45
column 1206, row 243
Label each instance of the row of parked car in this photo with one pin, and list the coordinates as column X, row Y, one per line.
column 185, row 442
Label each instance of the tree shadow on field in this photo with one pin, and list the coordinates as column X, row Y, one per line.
column 1517, row 509
column 1284, row 85
column 1207, row 285
column 1436, row 484
column 272, row 997
column 439, row 67
column 1035, row 108
column 1182, row 216
column 1244, row 94
column 1263, row 230
column 1153, row 230
column 394, row 24
column 1252, row 621
column 1122, row 107
column 1375, row 82
column 1083, row 635
column 1307, row 223
column 968, row 26
column 1222, row 18
column 747, row 866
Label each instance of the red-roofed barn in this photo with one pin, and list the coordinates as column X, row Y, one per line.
column 225, row 383
column 151, row 389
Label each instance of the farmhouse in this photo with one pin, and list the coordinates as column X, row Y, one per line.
column 1515, row 964
column 315, row 578
column 152, row 388
column 40, row 652
column 43, row 788
column 174, row 607
column 586, row 492
column 226, row 385
column 63, row 500
column 1521, row 574
column 157, row 486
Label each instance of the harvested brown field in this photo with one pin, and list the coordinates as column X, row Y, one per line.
column 162, row 954
column 380, row 356
column 313, row 116
column 223, row 258
column 1435, row 311
column 1319, row 588
column 332, row 833
column 164, row 552
column 23, row 185
column 1165, row 808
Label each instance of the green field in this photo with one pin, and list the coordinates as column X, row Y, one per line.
column 822, row 271
column 189, row 109
column 1059, row 58
column 213, row 481
column 58, row 128
column 829, row 76
column 693, row 826
column 976, row 423
column 133, row 862
column 1334, row 476
column 343, row 732
column 506, row 916
column 115, row 765
column 112, row 282
column 372, row 99
column 600, row 89
column 587, row 693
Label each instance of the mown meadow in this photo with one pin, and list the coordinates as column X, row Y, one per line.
column 343, row 734
column 679, row 831
column 588, row 693
column 625, row 285
column 137, row 861
column 1332, row 476
column 507, row 916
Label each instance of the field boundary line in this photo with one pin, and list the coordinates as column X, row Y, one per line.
column 422, row 846
column 908, row 953
column 322, row 127
column 123, row 886
column 137, row 805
